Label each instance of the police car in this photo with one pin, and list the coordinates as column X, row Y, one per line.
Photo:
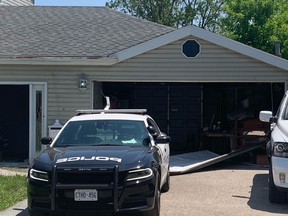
column 277, row 151
column 102, row 161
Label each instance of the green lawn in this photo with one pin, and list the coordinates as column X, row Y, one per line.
column 12, row 190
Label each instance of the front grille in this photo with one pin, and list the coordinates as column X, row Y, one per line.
column 98, row 177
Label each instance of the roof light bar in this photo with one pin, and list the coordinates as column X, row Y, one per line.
column 97, row 111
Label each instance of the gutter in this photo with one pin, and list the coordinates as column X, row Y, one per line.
column 65, row 61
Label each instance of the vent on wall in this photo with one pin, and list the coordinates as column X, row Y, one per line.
column 190, row 48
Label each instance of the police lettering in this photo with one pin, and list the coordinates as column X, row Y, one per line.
column 83, row 158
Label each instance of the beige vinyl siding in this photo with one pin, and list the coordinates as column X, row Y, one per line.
column 64, row 97
column 165, row 64
column 16, row 2
column 213, row 64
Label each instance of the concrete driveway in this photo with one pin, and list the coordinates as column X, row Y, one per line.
column 222, row 190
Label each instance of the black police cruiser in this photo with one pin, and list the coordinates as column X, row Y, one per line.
column 108, row 161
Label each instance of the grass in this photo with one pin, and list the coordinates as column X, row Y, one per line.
column 12, row 190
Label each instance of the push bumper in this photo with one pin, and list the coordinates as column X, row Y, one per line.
column 280, row 172
column 114, row 197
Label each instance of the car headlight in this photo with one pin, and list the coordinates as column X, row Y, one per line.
column 139, row 174
column 39, row 175
column 280, row 149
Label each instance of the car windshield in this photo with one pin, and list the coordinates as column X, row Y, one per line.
column 103, row 132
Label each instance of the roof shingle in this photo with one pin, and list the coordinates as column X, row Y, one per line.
column 91, row 32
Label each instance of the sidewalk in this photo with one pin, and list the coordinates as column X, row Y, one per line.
column 20, row 209
column 9, row 171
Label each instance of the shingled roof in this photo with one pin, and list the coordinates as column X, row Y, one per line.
column 89, row 32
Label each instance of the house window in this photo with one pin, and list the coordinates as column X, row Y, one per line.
column 191, row 48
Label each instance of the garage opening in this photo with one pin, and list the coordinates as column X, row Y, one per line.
column 230, row 119
column 187, row 111
column 14, row 123
column 175, row 107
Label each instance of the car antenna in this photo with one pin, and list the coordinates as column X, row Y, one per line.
column 107, row 107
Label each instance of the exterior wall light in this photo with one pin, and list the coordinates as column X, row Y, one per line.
column 83, row 83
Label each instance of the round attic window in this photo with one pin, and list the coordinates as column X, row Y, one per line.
column 190, row 48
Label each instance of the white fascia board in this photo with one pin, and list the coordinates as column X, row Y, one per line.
column 205, row 35
column 152, row 44
column 59, row 61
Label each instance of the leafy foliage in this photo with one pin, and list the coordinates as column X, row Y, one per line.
column 175, row 13
column 203, row 13
column 258, row 23
column 161, row 11
column 278, row 27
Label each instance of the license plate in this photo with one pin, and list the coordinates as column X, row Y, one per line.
column 85, row 195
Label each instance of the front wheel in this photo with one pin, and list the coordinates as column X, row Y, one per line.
column 275, row 196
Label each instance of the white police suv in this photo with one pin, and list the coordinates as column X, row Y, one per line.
column 277, row 151
column 102, row 161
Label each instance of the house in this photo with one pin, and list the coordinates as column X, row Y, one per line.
column 56, row 60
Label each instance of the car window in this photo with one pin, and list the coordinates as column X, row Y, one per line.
column 104, row 132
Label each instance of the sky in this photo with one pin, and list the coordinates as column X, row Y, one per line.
column 70, row 2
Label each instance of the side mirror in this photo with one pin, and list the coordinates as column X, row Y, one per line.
column 46, row 140
column 163, row 139
column 265, row 116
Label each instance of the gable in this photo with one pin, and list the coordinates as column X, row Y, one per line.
column 205, row 35
column 214, row 64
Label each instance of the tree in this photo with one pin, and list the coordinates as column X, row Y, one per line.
column 279, row 29
column 258, row 23
column 203, row 13
column 175, row 13
column 160, row 11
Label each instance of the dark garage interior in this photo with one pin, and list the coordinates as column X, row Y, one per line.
column 188, row 111
column 14, row 123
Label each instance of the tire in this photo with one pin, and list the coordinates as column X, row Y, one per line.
column 166, row 186
column 275, row 196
